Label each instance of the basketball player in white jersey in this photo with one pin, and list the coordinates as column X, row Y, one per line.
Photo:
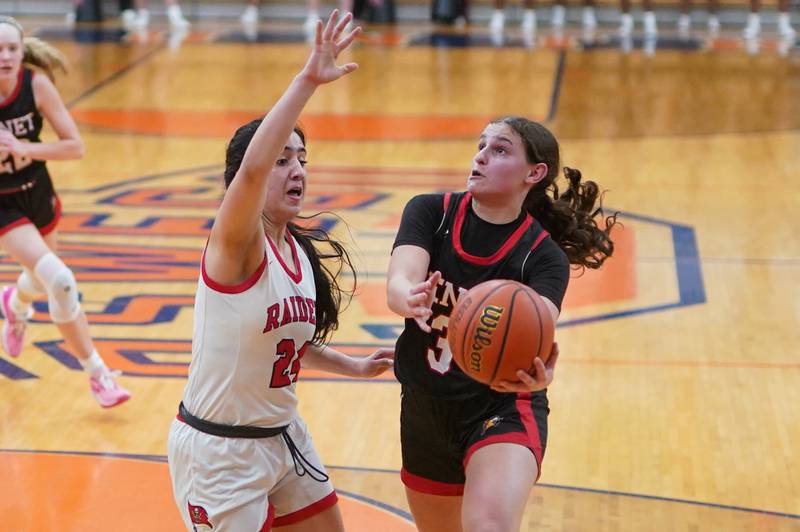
column 240, row 457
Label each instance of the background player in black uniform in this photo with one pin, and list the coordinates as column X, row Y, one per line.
column 29, row 207
column 483, row 447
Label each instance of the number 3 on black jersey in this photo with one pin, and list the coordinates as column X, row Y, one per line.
column 287, row 367
column 439, row 355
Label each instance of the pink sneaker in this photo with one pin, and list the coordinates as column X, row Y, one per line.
column 106, row 390
column 13, row 335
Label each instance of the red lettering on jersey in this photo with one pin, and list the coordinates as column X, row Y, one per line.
column 295, row 316
column 272, row 317
column 303, row 309
column 312, row 313
column 287, row 313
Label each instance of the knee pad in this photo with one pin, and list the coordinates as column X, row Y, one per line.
column 62, row 290
column 28, row 284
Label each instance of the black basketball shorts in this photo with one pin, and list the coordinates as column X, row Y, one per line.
column 439, row 436
column 37, row 204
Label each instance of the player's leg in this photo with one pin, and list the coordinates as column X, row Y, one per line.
column 433, row 513
column 753, row 26
column 432, row 472
column 250, row 14
column 498, row 20
column 529, row 21
column 649, row 19
column 499, row 480
column 306, row 502
column 625, row 18
column 685, row 19
column 784, row 23
column 221, row 483
column 502, row 461
column 50, row 275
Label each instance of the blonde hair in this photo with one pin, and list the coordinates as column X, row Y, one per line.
column 38, row 53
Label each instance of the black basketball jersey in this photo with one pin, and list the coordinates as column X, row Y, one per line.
column 423, row 360
column 18, row 115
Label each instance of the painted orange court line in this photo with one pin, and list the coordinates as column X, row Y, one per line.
column 76, row 492
column 318, row 126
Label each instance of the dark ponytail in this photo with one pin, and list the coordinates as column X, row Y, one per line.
column 327, row 256
column 327, row 266
column 571, row 218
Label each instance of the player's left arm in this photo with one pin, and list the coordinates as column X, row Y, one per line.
column 69, row 144
column 328, row 359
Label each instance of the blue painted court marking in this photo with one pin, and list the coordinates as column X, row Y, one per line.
column 82, row 35
column 125, row 183
column 14, row 372
column 466, row 40
column 262, row 37
column 578, row 489
column 605, row 42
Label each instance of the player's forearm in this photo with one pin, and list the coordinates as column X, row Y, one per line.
column 61, row 150
column 397, row 290
column 328, row 359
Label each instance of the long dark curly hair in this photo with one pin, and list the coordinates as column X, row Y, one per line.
column 570, row 217
column 328, row 257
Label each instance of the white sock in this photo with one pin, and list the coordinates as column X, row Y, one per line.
column 93, row 364
column 19, row 307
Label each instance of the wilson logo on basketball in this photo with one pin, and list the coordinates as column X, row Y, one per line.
column 490, row 318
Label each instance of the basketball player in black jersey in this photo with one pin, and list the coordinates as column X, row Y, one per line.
column 472, row 453
column 29, row 206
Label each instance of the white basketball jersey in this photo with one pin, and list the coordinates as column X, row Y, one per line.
column 247, row 342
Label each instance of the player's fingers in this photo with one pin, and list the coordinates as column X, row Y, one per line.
column 318, row 33
column 340, row 26
column 551, row 362
column 328, row 32
column 541, row 372
column 422, row 323
column 348, row 39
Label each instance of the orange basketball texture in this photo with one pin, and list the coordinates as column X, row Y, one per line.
column 497, row 328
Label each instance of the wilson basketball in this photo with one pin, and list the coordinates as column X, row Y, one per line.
column 497, row 328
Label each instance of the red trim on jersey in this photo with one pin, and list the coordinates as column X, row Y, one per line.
column 13, row 225
column 520, row 438
column 296, row 277
column 544, row 234
column 309, row 511
column 267, row 526
column 232, row 288
column 500, row 253
column 49, row 228
column 13, row 96
column 447, row 201
column 525, row 410
column 431, row 487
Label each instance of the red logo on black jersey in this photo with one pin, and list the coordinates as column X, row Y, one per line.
column 199, row 515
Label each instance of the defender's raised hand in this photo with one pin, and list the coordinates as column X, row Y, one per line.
column 328, row 43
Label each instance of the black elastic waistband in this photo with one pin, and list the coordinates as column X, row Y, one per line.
column 19, row 188
column 227, row 431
